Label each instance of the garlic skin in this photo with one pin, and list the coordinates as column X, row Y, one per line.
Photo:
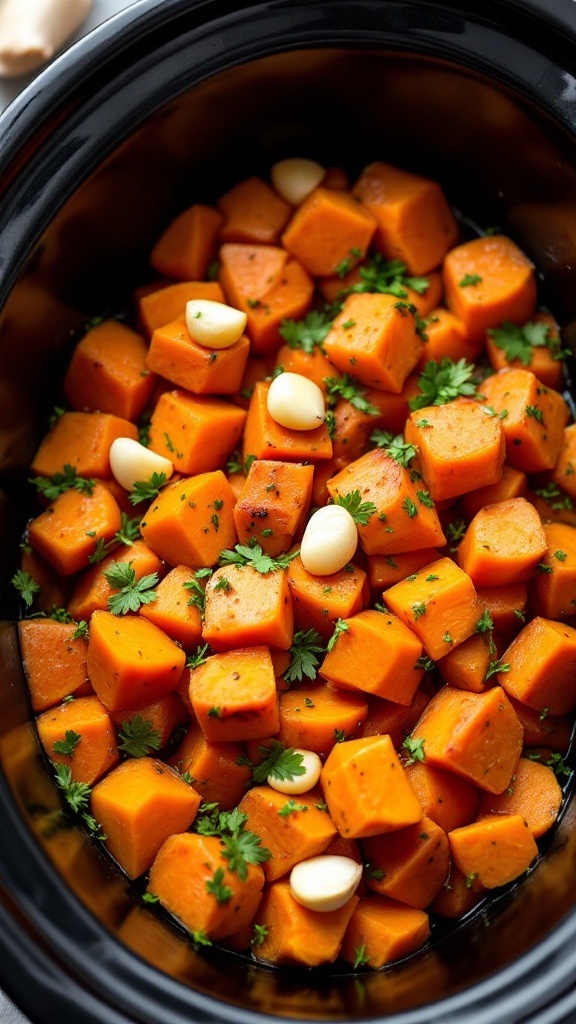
column 131, row 462
column 325, row 883
column 32, row 31
column 330, row 540
column 299, row 783
column 214, row 325
column 295, row 402
column 295, row 178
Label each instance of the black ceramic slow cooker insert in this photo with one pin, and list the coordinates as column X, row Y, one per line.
column 171, row 103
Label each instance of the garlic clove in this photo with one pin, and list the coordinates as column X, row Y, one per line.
column 131, row 462
column 214, row 324
column 296, row 402
column 326, row 882
column 295, row 178
column 299, row 783
column 329, row 541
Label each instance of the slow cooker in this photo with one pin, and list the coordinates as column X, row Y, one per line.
column 167, row 104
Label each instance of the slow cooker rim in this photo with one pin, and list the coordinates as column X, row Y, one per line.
column 22, row 114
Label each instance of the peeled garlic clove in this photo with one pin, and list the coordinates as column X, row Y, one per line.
column 296, row 402
column 32, row 31
column 294, row 179
column 131, row 462
column 330, row 540
column 214, row 324
column 299, row 783
column 325, row 883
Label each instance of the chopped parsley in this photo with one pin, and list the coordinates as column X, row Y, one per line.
column 358, row 509
column 68, row 745
column 394, row 446
column 518, row 343
column 307, row 334
column 282, row 763
column 253, row 555
column 351, row 390
column 145, row 490
column 138, row 737
column 304, row 661
column 442, row 382
column 415, row 749
column 52, row 487
column 26, row 586
column 340, row 626
column 131, row 593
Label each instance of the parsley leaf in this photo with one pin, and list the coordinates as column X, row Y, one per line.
column 253, row 555
column 76, row 794
column 214, row 886
column 260, row 933
column 395, row 446
column 340, row 626
column 303, row 660
column 282, row 763
column 145, row 490
column 388, row 277
column 240, row 847
column 199, row 657
column 138, row 737
column 197, row 592
column 291, row 807
column 495, row 667
column 556, row 498
column 53, row 486
column 26, row 586
column 306, row 334
column 469, row 280
column 415, row 749
column 131, row 592
column 68, row 745
column 358, row 509
column 441, row 382
column 351, row 390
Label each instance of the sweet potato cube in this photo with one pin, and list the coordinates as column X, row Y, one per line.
column 551, row 732
column 385, row 930
column 273, row 504
column 446, row 798
column 544, row 360
column 447, row 338
column 541, row 664
column 533, row 793
column 411, row 864
column 130, row 661
column 405, row 518
column 440, row 605
column 163, row 716
column 138, row 805
column 291, row 837
column 172, row 611
column 376, row 336
column 487, row 281
column 318, row 601
column 67, row 531
column 495, row 850
column 475, row 735
column 386, row 649
column 414, row 221
column 458, row 897
column 459, row 446
column 175, row 355
column 182, row 875
column 296, row 935
column 535, row 418
column 188, row 246
column 54, row 662
column 564, row 472
column 164, row 304
column 196, row 432
column 317, row 717
column 214, row 768
column 367, row 789
column 81, row 440
column 191, row 520
column 506, row 606
column 385, row 570
column 553, row 587
column 108, row 373
column 246, row 608
column 512, row 484
column 467, row 666
column 327, row 229
column 266, row 439
column 253, row 212
column 233, row 695
column 503, row 544
column 394, row 720
column 96, row 751
column 93, row 591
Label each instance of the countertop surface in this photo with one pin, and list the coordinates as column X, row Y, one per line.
column 9, row 88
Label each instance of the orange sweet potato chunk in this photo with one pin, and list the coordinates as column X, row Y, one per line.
column 163, row 716
column 188, row 245
column 292, row 837
column 130, row 661
column 475, row 735
column 375, row 336
column 533, row 793
column 487, row 281
column 553, row 587
column 296, row 935
column 535, row 418
column 253, row 212
column 181, row 875
column 81, row 440
column 317, row 717
column 385, row 930
column 439, row 603
column 415, row 222
column 138, row 805
column 92, row 589
column 108, row 373
column 388, row 652
column 545, row 360
column 66, row 532
column 459, row 446
column 328, row 228
column 96, row 751
column 495, row 850
column 273, row 504
column 54, row 662
column 246, row 608
column 172, row 610
column 541, row 668
column 266, row 439
column 367, row 790
column 447, row 338
column 191, row 521
column 234, row 697
column 164, row 304
column 564, row 472
column 214, row 767
column 512, row 484
column 411, row 864
column 196, row 432
column 446, row 798
column 503, row 544
column 318, row 601
column 174, row 355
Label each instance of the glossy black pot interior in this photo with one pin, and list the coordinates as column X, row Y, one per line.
column 167, row 105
